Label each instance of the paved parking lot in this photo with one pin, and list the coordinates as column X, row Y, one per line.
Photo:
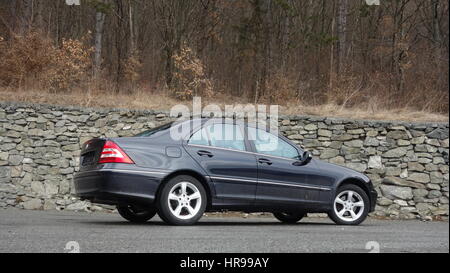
column 57, row 231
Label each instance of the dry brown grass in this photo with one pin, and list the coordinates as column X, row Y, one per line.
column 162, row 101
column 403, row 114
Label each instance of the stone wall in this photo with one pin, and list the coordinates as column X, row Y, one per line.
column 39, row 149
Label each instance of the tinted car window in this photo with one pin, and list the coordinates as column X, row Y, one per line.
column 269, row 144
column 227, row 136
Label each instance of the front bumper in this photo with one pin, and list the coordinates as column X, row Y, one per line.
column 117, row 186
column 373, row 200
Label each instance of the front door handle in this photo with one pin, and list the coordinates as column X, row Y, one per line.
column 265, row 161
column 205, row 153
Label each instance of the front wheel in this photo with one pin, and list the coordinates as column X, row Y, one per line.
column 182, row 201
column 350, row 206
column 136, row 214
column 289, row 218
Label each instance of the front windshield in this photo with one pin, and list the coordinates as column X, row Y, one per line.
column 155, row 130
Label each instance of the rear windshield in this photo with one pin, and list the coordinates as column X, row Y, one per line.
column 155, row 130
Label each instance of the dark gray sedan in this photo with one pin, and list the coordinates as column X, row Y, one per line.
column 182, row 169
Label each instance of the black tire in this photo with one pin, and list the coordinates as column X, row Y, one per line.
column 289, row 218
column 166, row 207
column 136, row 214
column 363, row 213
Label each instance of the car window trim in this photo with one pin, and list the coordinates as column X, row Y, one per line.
column 246, row 144
column 246, row 152
column 249, row 144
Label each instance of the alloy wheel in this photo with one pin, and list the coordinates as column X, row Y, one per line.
column 184, row 200
column 349, row 206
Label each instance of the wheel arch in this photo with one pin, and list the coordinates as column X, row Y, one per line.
column 357, row 182
column 201, row 178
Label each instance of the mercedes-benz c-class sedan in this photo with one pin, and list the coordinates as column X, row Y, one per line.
column 181, row 170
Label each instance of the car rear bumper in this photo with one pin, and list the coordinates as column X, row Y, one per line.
column 117, row 186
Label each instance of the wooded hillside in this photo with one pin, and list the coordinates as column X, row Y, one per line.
column 310, row 52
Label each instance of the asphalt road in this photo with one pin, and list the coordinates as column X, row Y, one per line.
column 51, row 231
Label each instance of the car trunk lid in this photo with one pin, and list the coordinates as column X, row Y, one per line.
column 90, row 153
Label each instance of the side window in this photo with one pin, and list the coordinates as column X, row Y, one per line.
column 199, row 138
column 269, row 144
column 227, row 136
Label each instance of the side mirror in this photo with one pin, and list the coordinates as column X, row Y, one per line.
column 305, row 159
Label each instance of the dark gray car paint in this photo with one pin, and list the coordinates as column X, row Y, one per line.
column 233, row 179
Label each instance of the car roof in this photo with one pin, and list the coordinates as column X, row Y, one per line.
column 220, row 120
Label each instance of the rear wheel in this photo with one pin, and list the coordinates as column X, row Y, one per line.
column 350, row 206
column 136, row 214
column 182, row 201
column 289, row 218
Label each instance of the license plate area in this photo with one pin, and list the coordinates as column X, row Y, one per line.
column 88, row 158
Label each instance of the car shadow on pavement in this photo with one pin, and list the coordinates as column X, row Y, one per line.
column 210, row 223
column 218, row 223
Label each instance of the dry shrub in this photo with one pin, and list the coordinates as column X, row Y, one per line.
column 32, row 58
column 280, row 87
column 190, row 78
column 132, row 66
column 24, row 58
column 72, row 65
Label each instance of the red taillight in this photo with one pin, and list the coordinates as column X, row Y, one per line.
column 112, row 153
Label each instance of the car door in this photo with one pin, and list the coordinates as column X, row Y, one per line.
column 222, row 151
column 280, row 180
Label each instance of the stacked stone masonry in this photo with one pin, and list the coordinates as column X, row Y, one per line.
column 40, row 144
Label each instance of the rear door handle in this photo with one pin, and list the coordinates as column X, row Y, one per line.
column 205, row 153
column 265, row 161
